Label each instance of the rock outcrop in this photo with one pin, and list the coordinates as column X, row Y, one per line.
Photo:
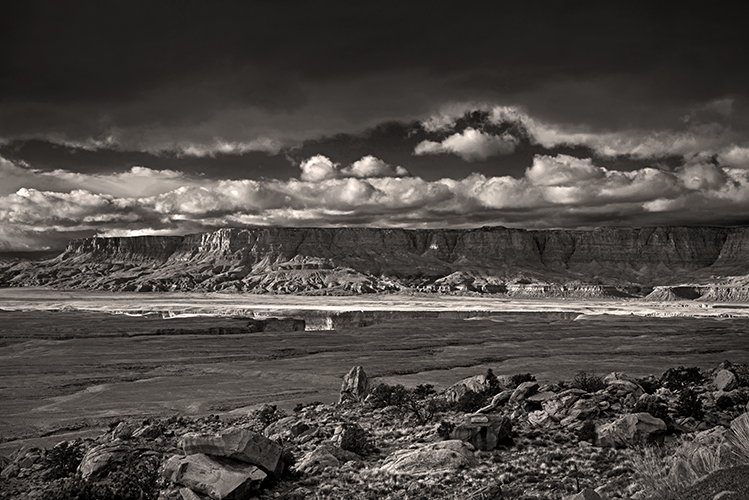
column 674, row 263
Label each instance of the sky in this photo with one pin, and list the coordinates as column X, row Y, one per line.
column 124, row 118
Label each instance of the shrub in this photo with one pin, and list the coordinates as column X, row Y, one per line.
column 519, row 378
column 63, row 460
column 267, row 414
column 654, row 408
column 384, row 395
column 421, row 402
column 494, row 386
column 587, row 432
column 471, row 401
column 649, row 384
column 666, row 472
column 738, row 439
column 356, row 439
column 588, row 382
column 689, row 405
column 444, row 429
column 133, row 479
column 680, row 378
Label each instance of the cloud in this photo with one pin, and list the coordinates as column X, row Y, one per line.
column 707, row 130
column 471, row 145
column 555, row 191
column 369, row 166
column 137, row 181
column 319, row 168
column 562, row 170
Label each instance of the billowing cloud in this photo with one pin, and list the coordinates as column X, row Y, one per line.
column 562, row 170
column 319, row 168
column 555, row 191
column 369, row 166
column 471, row 145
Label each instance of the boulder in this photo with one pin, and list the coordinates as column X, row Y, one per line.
column 630, row 429
column 148, row 432
column 584, row 409
column 238, row 444
column 541, row 397
column 97, row 460
column 497, row 401
column 216, row 477
column 326, row 455
column 539, row 419
column 585, row 494
column 436, row 458
column 477, row 383
column 188, row 494
column 355, row 386
column 523, row 391
column 123, row 431
column 725, row 380
column 280, row 427
column 624, row 387
column 557, row 408
column 484, row 432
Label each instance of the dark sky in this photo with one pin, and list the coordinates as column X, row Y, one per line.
column 167, row 117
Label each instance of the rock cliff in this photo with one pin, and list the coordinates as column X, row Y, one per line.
column 605, row 262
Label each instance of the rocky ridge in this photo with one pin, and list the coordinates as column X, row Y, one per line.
column 677, row 263
column 487, row 437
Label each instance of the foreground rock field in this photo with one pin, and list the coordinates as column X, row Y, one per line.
column 683, row 435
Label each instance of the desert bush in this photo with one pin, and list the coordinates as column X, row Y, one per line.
column 133, row 479
column 444, row 429
column 470, row 402
column 587, row 432
column 267, row 414
column 519, row 378
column 588, row 382
column 654, row 408
column 420, row 402
column 738, row 439
column 649, row 384
column 383, row 395
column 357, row 440
column 651, row 469
column 689, row 405
column 680, row 378
column 665, row 472
column 63, row 460
column 493, row 382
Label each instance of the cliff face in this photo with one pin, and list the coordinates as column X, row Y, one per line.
column 601, row 262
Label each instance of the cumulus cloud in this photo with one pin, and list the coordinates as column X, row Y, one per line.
column 369, row 166
column 471, row 145
column 562, row 170
column 319, row 168
column 555, row 190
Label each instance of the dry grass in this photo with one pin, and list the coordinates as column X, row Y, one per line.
column 664, row 473
column 738, row 439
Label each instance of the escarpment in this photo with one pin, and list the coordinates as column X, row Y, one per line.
column 604, row 262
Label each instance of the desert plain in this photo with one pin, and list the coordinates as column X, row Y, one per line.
column 72, row 362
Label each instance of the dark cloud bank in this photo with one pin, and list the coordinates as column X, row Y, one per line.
column 121, row 118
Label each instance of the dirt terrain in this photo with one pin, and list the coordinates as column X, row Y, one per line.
column 67, row 364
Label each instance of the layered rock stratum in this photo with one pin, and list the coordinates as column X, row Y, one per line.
column 665, row 263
